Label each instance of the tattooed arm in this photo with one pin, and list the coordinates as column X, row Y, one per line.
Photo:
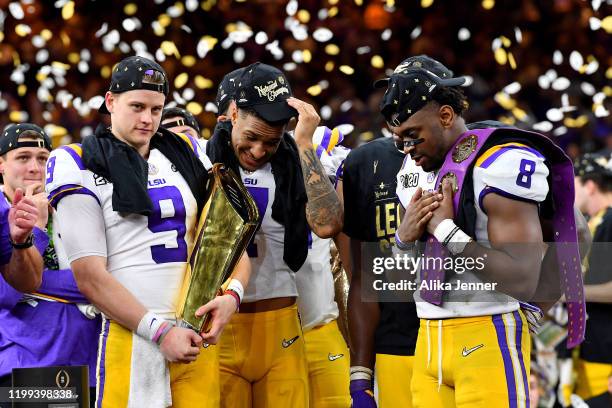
column 323, row 210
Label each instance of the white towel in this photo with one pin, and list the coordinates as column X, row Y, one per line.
column 149, row 376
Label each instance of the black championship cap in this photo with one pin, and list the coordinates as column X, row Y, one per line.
column 225, row 92
column 265, row 89
column 185, row 118
column 137, row 73
column 593, row 163
column 12, row 133
column 410, row 87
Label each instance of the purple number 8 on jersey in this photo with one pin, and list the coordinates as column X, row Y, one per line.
column 526, row 170
column 50, row 168
column 164, row 196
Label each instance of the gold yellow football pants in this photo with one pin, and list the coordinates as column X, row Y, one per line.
column 262, row 361
column 328, row 367
column 472, row 362
column 192, row 385
column 592, row 378
column 393, row 373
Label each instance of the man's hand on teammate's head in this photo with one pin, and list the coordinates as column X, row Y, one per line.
column 308, row 120
column 418, row 213
column 444, row 210
column 23, row 215
column 181, row 345
column 221, row 309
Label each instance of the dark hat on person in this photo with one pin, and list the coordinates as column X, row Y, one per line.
column 265, row 89
column 593, row 163
column 226, row 89
column 186, row 118
column 411, row 85
column 137, row 73
column 12, row 133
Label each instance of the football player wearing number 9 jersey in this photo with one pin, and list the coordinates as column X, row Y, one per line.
column 127, row 202
column 262, row 353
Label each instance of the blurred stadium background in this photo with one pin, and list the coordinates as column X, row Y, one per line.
column 543, row 65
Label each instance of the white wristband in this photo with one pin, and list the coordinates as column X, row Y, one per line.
column 148, row 326
column 458, row 242
column 361, row 373
column 443, row 229
column 237, row 287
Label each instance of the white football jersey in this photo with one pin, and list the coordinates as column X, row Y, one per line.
column 271, row 277
column 146, row 254
column 512, row 170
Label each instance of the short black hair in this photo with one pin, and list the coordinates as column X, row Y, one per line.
column 452, row 96
column 603, row 181
column 248, row 110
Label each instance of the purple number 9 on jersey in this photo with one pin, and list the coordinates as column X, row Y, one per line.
column 168, row 220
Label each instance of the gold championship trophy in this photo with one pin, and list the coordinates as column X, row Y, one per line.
column 227, row 224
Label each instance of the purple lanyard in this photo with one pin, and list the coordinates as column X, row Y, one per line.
column 457, row 163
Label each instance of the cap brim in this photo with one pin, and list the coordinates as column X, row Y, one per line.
column 275, row 112
column 452, row 81
column 381, row 83
column 102, row 109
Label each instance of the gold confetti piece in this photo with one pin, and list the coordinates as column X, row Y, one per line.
column 74, row 58
column 314, row 90
column 332, row 49
column 579, row 122
column 105, row 71
column 377, row 61
column 519, row 113
column 46, row 34
column 609, row 73
column 202, row 83
column 17, row 116
column 65, row 39
column 130, row 9
column 68, row 10
column 329, row 66
column 22, row 89
column 169, row 48
column 346, row 69
column 508, row 120
column 188, row 60
column 158, row 29
column 359, row 2
column 333, row 11
column 208, row 4
column 205, row 133
column 22, row 30
column 333, row 2
column 488, row 4
column 194, row 107
column 606, row 24
column 306, row 56
column 60, row 65
column 426, row 3
column 1, row 36
column 505, row 101
column 505, row 41
column 303, row 16
column 56, row 131
column 180, row 80
column 164, row 20
column 511, row 61
column 366, row 136
column 607, row 90
column 501, row 56
column 390, row 3
column 41, row 76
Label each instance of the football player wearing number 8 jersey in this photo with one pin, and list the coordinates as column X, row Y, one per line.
column 262, row 353
column 473, row 346
column 127, row 202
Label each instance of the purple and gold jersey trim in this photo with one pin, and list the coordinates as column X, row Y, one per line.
column 490, row 189
column 191, row 142
column 76, row 152
column 68, row 189
column 488, row 157
column 331, row 138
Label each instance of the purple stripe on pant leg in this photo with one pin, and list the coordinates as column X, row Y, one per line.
column 519, row 337
column 78, row 160
column 500, row 328
column 102, row 369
